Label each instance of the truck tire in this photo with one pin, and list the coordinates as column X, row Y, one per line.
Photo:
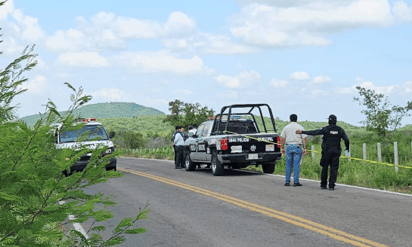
column 217, row 167
column 269, row 167
column 189, row 164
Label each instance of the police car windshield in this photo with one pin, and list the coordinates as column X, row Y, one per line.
column 90, row 132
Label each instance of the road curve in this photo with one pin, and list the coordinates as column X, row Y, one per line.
column 251, row 209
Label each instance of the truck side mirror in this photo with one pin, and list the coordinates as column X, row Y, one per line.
column 112, row 134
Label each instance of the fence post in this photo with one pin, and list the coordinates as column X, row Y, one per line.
column 364, row 151
column 379, row 153
column 350, row 154
column 313, row 152
column 395, row 149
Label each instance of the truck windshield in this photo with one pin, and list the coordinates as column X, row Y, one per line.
column 90, row 132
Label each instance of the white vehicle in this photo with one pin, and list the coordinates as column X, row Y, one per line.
column 92, row 135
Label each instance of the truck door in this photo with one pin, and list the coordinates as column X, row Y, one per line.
column 194, row 150
column 202, row 144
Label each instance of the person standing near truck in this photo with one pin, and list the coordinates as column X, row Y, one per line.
column 331, row 150
column 295, row 147
column 179, row 147
column 173, row 140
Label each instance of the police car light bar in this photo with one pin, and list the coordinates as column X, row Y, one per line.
column 88, row 120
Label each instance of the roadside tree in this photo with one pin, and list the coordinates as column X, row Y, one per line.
column 382, row 117
column 184, row 114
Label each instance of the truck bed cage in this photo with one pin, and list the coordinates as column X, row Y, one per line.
column 249, row 112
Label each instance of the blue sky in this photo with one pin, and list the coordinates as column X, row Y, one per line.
column 299, row 56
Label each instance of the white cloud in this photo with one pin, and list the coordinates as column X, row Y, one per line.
column 109, row 94
column 153, row 62
column 321, row 78
column 378, row 89
column 297, row 23
column 82, row 59
column 179, row 23
column 41, row 64
column 84, row 40
column 368, row 85
column 402, row 11
column 408, row 86
column 108, row 31
column 10, row 46
column 17, row 25
column 31, row 29
column 276, row 83
column 36, row 85
column 6, row 9
column 300, row 75
column 244, row 79
column 207, row 43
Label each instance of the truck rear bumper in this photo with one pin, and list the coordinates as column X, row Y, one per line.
column 245, row 158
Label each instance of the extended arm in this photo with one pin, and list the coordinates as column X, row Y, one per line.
column 312, row 132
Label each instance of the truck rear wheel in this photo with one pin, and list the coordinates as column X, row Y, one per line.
column 189, row 164
column 217, row 167
column 269, row 167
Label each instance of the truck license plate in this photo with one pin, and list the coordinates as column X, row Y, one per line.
column 270, row 148
column 253, row 156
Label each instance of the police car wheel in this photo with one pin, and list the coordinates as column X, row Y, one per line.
column 217, row 167
column 189, row 165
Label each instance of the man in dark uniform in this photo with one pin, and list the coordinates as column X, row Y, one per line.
column 331, row 150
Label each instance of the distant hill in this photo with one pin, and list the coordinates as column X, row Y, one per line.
column 105, row 110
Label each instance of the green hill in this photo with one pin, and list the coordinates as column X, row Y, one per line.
column 105, row 110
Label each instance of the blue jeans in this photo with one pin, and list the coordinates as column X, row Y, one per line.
column 293, row 156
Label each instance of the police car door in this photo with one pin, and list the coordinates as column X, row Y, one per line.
column 194, row 151
column 202, row 144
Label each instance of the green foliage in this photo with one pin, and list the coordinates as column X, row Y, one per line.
column 11, row 79
column 35, row 197
column 105, row 110
column 381, row 116
column 185, row 114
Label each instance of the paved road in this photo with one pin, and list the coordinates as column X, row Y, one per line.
column 251, row 209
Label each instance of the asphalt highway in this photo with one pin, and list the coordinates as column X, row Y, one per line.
column 245, row 208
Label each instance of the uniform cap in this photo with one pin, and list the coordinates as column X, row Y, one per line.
column 332, row 118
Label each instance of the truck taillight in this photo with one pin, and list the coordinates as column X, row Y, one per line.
column 278, row 141
column 223, row 144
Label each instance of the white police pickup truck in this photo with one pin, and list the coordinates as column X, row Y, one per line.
column 233, row 139
column 92, row 135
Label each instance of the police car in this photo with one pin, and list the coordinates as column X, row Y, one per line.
column 92, row 135
column 233, row 139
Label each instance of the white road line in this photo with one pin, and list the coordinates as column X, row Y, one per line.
column 76, row 226
column 282, row 176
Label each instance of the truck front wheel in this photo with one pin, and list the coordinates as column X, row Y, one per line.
column 269, row 167
column 217, row 167
column 189, row 164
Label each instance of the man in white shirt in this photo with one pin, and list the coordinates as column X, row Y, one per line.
column 295, row 147
column 179, row 145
